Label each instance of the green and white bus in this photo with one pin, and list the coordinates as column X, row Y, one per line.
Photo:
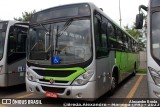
column 77, row 51
column 153, row 45
column 13, row 36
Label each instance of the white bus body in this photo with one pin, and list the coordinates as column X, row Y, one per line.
column 12, row 52
column 153, row 45
column 77, row 51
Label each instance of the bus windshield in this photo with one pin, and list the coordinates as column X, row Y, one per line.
column 155, row 38
column 70, row 40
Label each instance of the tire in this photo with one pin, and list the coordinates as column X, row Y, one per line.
column 134, row 71
column 114, row 84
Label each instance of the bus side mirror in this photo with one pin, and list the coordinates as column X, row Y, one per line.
column 139, row 21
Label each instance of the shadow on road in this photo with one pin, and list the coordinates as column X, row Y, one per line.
column 108, row 97
column 12, row 89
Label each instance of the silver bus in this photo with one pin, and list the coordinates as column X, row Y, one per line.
column 13, row 36
column 153, row 45
column 77, row 51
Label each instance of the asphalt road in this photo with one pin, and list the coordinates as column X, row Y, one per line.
column 132, row 87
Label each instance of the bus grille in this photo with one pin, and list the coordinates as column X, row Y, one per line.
column 54, row 73
column 53, row 89
column 56, row 81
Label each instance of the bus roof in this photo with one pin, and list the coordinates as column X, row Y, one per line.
column 16, row 23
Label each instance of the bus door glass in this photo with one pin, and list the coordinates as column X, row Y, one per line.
column 16, row 43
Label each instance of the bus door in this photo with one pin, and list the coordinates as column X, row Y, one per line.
column 16, row 54
column 102, row 55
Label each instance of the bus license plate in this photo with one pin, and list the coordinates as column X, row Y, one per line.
column 51, row 94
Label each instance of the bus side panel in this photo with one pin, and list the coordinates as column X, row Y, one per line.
column 16, row 72
column 122, row 64
column 3, row 81
column 131, row 61
column 103, row 69
column 125, row 62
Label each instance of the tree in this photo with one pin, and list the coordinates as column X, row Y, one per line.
column 26, row 16
column 134, row 32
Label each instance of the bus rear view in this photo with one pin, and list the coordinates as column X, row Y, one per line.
column 153, row 45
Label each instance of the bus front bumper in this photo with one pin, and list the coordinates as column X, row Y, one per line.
column 86, row 92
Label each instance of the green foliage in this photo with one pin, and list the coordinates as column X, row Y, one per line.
column 141, row 71
column 26, row 16
column 133, row 32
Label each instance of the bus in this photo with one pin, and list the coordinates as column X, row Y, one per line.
column 13, row 36
column 153, row 45
column 77, row 51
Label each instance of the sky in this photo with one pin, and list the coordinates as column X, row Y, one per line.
column 129, row 8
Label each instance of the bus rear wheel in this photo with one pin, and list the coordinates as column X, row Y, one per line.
column 114, row 84
column 135, row 70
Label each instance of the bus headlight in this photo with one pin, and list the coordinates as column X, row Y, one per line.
column 155, row 75
column 30, row 76
column 84, row 78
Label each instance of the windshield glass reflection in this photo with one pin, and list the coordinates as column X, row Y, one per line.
column 70, row 40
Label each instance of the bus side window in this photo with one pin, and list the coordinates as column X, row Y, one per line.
column 21, row 42
column 17, row 41
column 134, row 46
column 112, row 36
column 129, row 44
column 100, row 28
column 104, row 34
column 11, row 41
column 119, row 38
column 125, row 41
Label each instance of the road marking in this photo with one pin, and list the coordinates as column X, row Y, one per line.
column 132, row 91
column 25, row 96
column 1, row 105
column 134, row 88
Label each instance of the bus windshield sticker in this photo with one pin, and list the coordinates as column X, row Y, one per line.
column 56, row 60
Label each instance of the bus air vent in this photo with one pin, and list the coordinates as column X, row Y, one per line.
column 56, row 81
column 54, row 73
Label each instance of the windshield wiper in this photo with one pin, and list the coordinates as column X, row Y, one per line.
column 66, row 25
column 59, row 33
column 44, row 27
